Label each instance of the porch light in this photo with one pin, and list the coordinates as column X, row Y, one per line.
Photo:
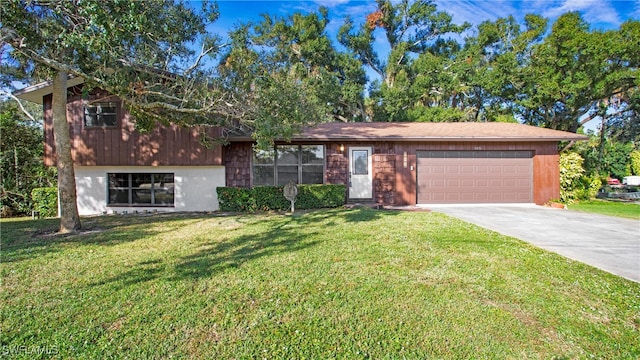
column 342, row 148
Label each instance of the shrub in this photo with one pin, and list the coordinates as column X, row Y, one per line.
column 270, row 198
column 571, row 171
column 45, row 201
column 635, row 162
column 236, row 199
column 265, row 198
column 320, row 196
column 588, row 187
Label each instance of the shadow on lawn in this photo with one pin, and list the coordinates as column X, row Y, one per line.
column 287, row 234
column 26, row 239
column 291, row 233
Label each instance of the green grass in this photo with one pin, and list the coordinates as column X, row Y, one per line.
column 611, row 208
column 325, row 284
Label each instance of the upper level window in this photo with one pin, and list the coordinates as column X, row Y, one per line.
column 100, row 114
column 302, row 164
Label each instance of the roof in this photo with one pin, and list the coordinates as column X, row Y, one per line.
column 35, row 93
column 429, row 131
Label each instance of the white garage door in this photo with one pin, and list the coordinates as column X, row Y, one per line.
column 465, row 177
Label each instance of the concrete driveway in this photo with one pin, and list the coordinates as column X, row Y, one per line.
column 609, row 243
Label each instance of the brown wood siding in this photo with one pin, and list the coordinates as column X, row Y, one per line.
column 124, row 146
column 237, row 160
column 395, row 181
column 337, row 166
column 384, row 178
column 238, row 156
column 546, row 173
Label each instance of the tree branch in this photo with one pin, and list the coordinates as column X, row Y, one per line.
column 22, row 108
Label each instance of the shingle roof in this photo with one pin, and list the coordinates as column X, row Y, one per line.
column 463, row 131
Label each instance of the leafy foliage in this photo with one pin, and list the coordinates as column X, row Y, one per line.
column 21, row 154
column 265, row 198
column 45, row 201
column 139, row 51
column 571, row 171
column 588, row 187
column 635, row 162
column 606, row 158
column 411, row 29
column 288, row 74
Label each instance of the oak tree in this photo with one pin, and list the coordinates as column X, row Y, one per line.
column 138, row 50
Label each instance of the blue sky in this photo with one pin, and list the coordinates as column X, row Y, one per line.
column 601, row 14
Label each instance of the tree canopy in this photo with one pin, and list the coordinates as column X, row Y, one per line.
column 290, row 74
column 21, row 157
column 137, row 50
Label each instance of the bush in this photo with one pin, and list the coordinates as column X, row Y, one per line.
column 236, row 199
column 571, row 171
column 265, row 198
column 635, row 162
column 45, row 201
column 320, row 196
column 588, row 187
column 270, row 198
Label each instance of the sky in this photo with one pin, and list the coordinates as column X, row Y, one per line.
column 601, row 14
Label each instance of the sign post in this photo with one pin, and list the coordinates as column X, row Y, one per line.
column 290, row 193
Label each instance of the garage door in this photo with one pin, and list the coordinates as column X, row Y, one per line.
column 465, row 177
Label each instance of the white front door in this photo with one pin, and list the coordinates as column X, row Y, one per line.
column 360, row 173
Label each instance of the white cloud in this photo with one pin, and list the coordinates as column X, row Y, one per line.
column 475, row 12
column 330, row 3
column 593, row 11
column 355, row 10
column 636, row 11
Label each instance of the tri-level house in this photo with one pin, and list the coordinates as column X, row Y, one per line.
column 168, row 169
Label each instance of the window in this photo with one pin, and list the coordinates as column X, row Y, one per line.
column 360, row 162
column 302, row 164
column 101, row 114
column 140, row 189
column 263, row 169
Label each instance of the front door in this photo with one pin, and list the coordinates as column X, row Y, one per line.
column 360, row 174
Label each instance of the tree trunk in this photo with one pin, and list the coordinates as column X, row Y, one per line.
column 69, row 218
column 601, row 146
column 15, row 166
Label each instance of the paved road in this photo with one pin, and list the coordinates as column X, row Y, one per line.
column 609, row 243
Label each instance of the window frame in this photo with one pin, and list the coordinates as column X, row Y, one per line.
column 100, row 123
column 300, row 165
column 130, row 188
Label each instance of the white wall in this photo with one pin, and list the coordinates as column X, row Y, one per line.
column 195, row 188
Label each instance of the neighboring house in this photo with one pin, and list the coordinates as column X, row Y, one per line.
column 119, row 169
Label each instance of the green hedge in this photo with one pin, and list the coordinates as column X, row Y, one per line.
column 45, row 201
column 265, row 198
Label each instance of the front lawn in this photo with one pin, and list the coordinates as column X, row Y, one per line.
column 611, row 208
column 341, row 283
